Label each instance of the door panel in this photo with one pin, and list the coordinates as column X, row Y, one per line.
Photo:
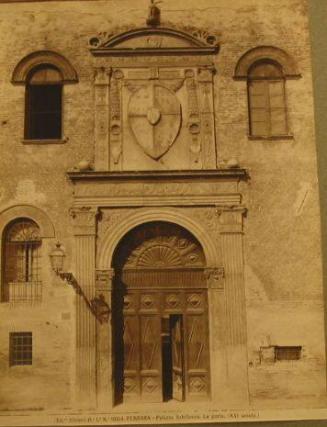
column 131, row 388
column 151, row 381
column 196, row 337
column 177, row 343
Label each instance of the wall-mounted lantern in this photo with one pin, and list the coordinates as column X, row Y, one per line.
column 97, row 305
column 57, row 257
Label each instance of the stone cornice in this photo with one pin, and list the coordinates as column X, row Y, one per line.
column 187, row 175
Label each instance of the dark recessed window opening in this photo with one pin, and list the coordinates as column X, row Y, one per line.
column 20, row 347
column 43, row 117
column 288, row 352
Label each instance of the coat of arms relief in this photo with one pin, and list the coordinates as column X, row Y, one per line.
column 154, row 117
column 163, row 108
column 160, row 109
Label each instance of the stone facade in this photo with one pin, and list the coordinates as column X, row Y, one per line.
column 156, row 130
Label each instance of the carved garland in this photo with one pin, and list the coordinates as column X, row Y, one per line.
column 194, row 120
column 116, row 119
column 205, row 77
column 101, row 100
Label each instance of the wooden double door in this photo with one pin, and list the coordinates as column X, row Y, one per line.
column 160, row 316
column 161, row 350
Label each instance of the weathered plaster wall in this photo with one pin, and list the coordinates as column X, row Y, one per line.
column 281, row 241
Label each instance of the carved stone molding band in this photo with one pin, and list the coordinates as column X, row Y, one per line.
column 215, row 278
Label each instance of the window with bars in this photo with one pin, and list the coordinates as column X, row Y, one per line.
column 288, row 352
column 20, row 348
column 267, row 104
column 43, row 112
column 21, row 259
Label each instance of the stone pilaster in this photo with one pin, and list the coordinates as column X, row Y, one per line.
column 231, row 237
column 101, row 117
column 104, row 366
column 217, row 321
column 85, row 231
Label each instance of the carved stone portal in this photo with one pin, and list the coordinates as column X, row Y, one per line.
column 160, row 319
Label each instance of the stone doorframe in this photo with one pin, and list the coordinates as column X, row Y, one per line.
column 226, row 299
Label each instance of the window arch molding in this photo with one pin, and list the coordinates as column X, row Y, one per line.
column 266, row 53
column 27, row 211
column 40, row 58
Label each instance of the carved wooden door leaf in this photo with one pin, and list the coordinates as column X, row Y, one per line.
column 177, row 357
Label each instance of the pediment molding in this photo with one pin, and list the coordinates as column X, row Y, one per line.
column 155, row 41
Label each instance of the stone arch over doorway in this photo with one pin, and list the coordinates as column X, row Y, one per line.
column 160, row 339
column 115, row 234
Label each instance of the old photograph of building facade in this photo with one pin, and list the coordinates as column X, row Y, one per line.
column 159, row 213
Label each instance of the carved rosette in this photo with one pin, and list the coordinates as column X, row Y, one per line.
column 215, row 278
column 116, row 119
column 194, row 119
column 101, row 111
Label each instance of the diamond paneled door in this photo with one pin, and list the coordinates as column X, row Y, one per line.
column 160, row 320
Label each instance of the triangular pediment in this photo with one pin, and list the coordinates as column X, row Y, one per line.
column 159, row 40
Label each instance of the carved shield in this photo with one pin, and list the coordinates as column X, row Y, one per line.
column 154, row 115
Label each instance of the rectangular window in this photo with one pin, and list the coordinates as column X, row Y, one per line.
column 288, row 352
column 267, row 108
column 43, row 119
column 20, row 348
column 275, row 353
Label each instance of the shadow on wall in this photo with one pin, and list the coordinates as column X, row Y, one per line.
column 318, row 29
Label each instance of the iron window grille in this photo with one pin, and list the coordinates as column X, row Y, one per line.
column 20, row 346
column 288, row 352
column 22, row 267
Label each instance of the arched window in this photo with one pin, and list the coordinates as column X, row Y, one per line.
column 44, row 74
column 43, row 112
column 21, row 261
column 266, row 94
